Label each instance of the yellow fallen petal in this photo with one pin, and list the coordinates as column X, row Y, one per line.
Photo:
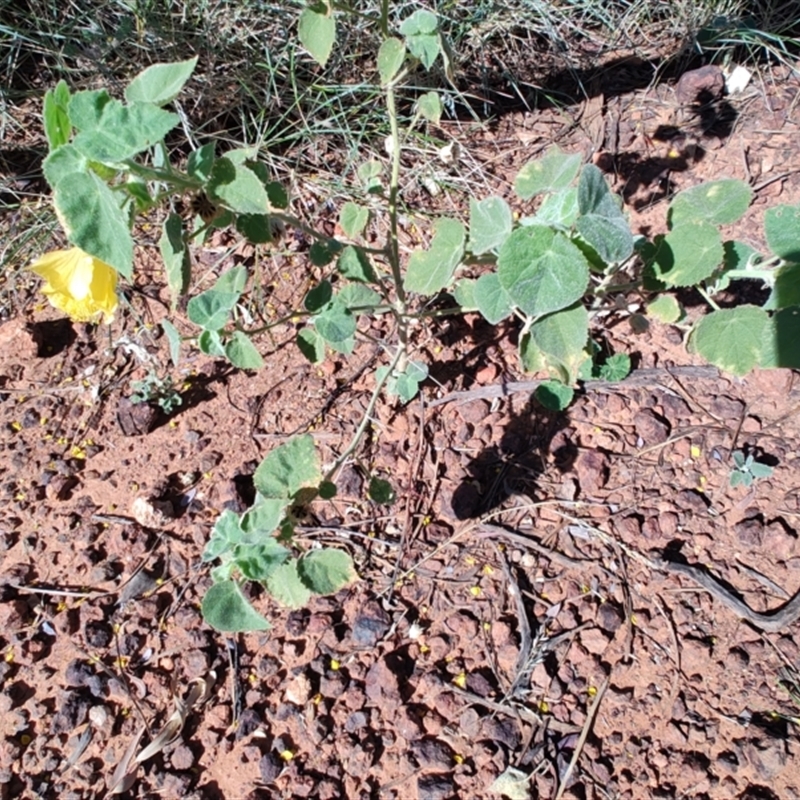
column 78, row 284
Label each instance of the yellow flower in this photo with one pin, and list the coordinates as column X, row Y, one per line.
column 78, row 284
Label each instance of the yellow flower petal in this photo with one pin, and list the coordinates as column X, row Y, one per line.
column 78, row 284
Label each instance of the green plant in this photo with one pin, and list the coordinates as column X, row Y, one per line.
column 746, row 469
column 550, row 273
column 161, row 391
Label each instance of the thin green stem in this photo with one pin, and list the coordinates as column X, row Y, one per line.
column 367, row 419
column 707, row 297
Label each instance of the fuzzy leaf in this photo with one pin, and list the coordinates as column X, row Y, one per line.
column 431, row 270
column 317, row 33
column 391, row 55
column 286, row 586
column 160, row 83
column 716, row 202
column 490, row 223
column 555, row 171
column 732, row 338
column 326, row 571
column 226, row 609
column 288, row 468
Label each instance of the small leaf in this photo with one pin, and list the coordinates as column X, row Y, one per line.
column 464, row 294
column 226, row 609
column 336, row 323
column 57, row 127
column 286, row 586
column 781, row 347
column 327, row 490
column 354, row 264
column 357, row 297
column 317, row 298
column 391, row 55
column 258, row 561
column 323, row 251
column 242, row 353
column 256, row 228
column 175, row 254
column 210, row 343
column 558, row 210
column 263, row 517
column 311, row 345
column 732, row 338
column 717, row 203
column 492, row 299
column 665, row 308
column 237, row 187
column 554, row 395
column 160, row 83
column 759, row 470
column 317, row 33
column 430, row 106
column 225, row 534
column 430, row 271
column 688, row 254
column 327, row 570
column 615, row 368
column 201, row 162
column 782, row 230
column 555, row 171
column 288, row 468
column 490, row 223
column 353, row 218
column 381, row 491
column 174, row 340
column 561, row 337
column 421, row 21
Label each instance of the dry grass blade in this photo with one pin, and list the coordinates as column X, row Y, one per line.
column 169, row 733
column 123, row 779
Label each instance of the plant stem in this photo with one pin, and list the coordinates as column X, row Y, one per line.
column 367, row 419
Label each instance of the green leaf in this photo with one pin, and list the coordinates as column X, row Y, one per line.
column 381, row 491
column 212, row 309
column 561, row 337
column 201, row 162
column 287, row 587
column 782, row 231
column 175, row 254
column 531, row 357
column 93, row 220
column 336, row 323
column 354, row 264
column 288, row 468
column 174, row 340
column 278, row 198
column 491, row 298
column 123, row 131
column 391, row 55
column 263, row 517
column 258, row 561
column 242, row 353
column 369, row 173
column 327, row 490
column 226, row 609
column 601, row 222
column 357, row 296
column 688, row 254
column 86, row 108
column 786, row 289
column 421, row 21
column 666, row 309
column 57, row 127
column 161, row 83
column 311, row 345
column 353, row 218
column 717, row 203
column 490, row 223
column 430, row 271
column 317, row 298
column 464, row 294
column 63, row 161
column 554, row 395
column 732, row 338
column 781, row 347
column 558, row 210
column 425, row 47
column 555, row 171
column 323, row 251
column 256, row 228
column 759, row 470
column 317, row 33
column 542, row 270
column 210, row 343
column 237, row 187
column 326, row 571
column 616, row 367
column 225, row 534
column 430, row 106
